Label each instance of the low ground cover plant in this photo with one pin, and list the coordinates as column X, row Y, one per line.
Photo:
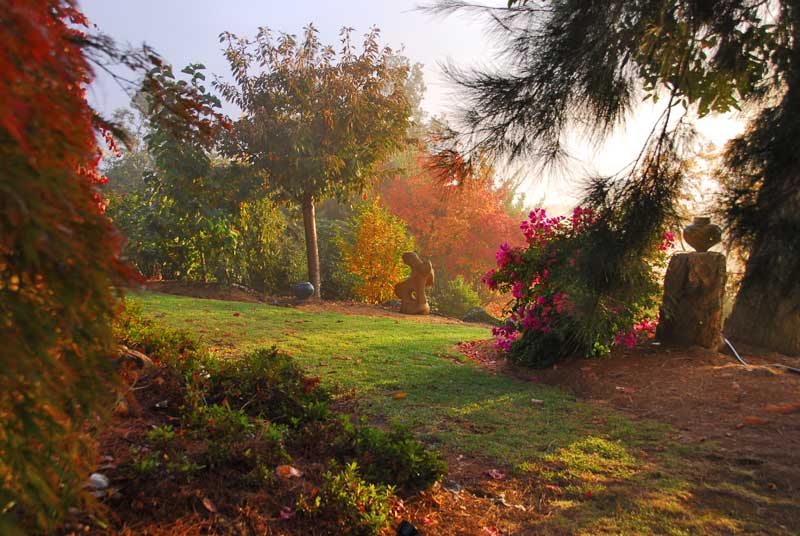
column 262, row 426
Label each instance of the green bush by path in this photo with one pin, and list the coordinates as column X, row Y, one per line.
column 455, row 298
column 241, row 418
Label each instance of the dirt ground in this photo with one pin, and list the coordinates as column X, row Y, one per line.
column 752, row 414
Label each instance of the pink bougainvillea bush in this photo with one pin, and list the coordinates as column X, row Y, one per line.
column 577, row 289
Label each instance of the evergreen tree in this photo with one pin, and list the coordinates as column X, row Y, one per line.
column 573, row 63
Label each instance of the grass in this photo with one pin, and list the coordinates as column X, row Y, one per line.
column 611, row 475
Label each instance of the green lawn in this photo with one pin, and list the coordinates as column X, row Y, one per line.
column 618, row 476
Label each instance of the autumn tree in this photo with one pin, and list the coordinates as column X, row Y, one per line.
column 316, row 120
column 374, row 252
column 587, row 64
column 60, row 270
column 457, row 226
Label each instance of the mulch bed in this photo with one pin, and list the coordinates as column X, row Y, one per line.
column 751, row 414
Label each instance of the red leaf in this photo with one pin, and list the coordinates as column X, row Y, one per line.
column 751, row 420
column 496, row 474
column 287, row 512
column 783, row 408
column 209, row 505
column 287, row 471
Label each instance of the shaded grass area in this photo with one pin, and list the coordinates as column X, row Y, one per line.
column 594, row 470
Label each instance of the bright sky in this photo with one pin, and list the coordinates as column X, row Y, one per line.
column 186, row 31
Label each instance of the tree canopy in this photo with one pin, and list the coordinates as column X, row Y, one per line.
column 316, row 120
column 573, row 64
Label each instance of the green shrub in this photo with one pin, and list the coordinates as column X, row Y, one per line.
column 270, row 254
column 174, row 348
column 358, row 508
column 480, row 315
column 145, row 462
column 579, row 286
column 226, row 430
column 266, row 384
column 337, row 283
column 392, row 457
column 161, row 435
column 454, row 298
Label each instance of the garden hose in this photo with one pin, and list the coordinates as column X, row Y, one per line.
column 746, row 364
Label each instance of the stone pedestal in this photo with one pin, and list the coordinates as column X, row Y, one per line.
column 694, row 290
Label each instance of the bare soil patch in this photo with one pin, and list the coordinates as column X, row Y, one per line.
column 749, row 416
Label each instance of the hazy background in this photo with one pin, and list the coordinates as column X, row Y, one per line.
column 186, row 31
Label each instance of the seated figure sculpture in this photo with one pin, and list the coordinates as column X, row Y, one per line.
column 412, row 290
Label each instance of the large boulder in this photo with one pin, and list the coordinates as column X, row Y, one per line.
column 694, row 291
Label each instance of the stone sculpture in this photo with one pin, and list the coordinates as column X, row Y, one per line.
column 694, row 291
column 412, row 290
column 701, row 234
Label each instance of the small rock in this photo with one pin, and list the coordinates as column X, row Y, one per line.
column 452, row 486
column 162, row 405
column 407, row 529
column 98, row 481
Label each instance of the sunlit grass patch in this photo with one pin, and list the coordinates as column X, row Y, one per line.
column 600, row 471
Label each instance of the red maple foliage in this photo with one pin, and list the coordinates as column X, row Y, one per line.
column 458, row 226
column 60, row 271
column 59, row 262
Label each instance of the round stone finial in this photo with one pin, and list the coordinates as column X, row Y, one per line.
column 701, row 234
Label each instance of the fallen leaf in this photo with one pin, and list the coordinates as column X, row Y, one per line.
column 287, row 471
column 237, row 314
column 400, row 394
column 427, row 521
column 287, row 512
column 589, row 494
column 783, row 408
column 491, row 531
column 626, row 390
column 209, row 505
column 752, row 420
column 553, row 487
column 496, row 474
column 536, row 401
column 309, row 384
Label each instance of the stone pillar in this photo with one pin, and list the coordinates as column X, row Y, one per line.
column 694, row 291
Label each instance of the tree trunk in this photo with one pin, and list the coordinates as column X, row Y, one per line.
column 312, row 249
column 767, row 308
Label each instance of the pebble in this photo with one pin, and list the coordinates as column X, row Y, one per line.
column 98, row 481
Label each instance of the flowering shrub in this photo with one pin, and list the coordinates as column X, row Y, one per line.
column 563, row 305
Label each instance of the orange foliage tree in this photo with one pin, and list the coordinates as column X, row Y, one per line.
column 458, row 226
column 58, row 263
column 374, row 250
column 60, row 269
